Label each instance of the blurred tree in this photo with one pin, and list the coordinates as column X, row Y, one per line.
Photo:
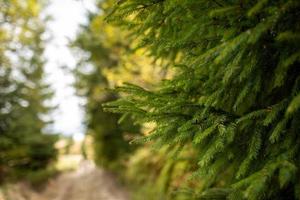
column 234, row 96
column 110, row 138
column 24, row 146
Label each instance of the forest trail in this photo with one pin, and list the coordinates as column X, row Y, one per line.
column 85, row 183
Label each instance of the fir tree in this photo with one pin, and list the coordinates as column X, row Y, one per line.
column 234, row 96
column 25, row 148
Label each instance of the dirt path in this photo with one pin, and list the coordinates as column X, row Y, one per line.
column 86, row 183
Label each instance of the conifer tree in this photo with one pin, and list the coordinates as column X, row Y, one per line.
column 109, row 138
column 234, row 96
column 25, row 148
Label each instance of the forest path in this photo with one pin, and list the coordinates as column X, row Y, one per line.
column 85, row 183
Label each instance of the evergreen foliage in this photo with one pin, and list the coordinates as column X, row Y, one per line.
column 24, row 146
column 234, row 96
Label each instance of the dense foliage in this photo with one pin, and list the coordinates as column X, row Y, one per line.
column 234, row 97
column 24, row 147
